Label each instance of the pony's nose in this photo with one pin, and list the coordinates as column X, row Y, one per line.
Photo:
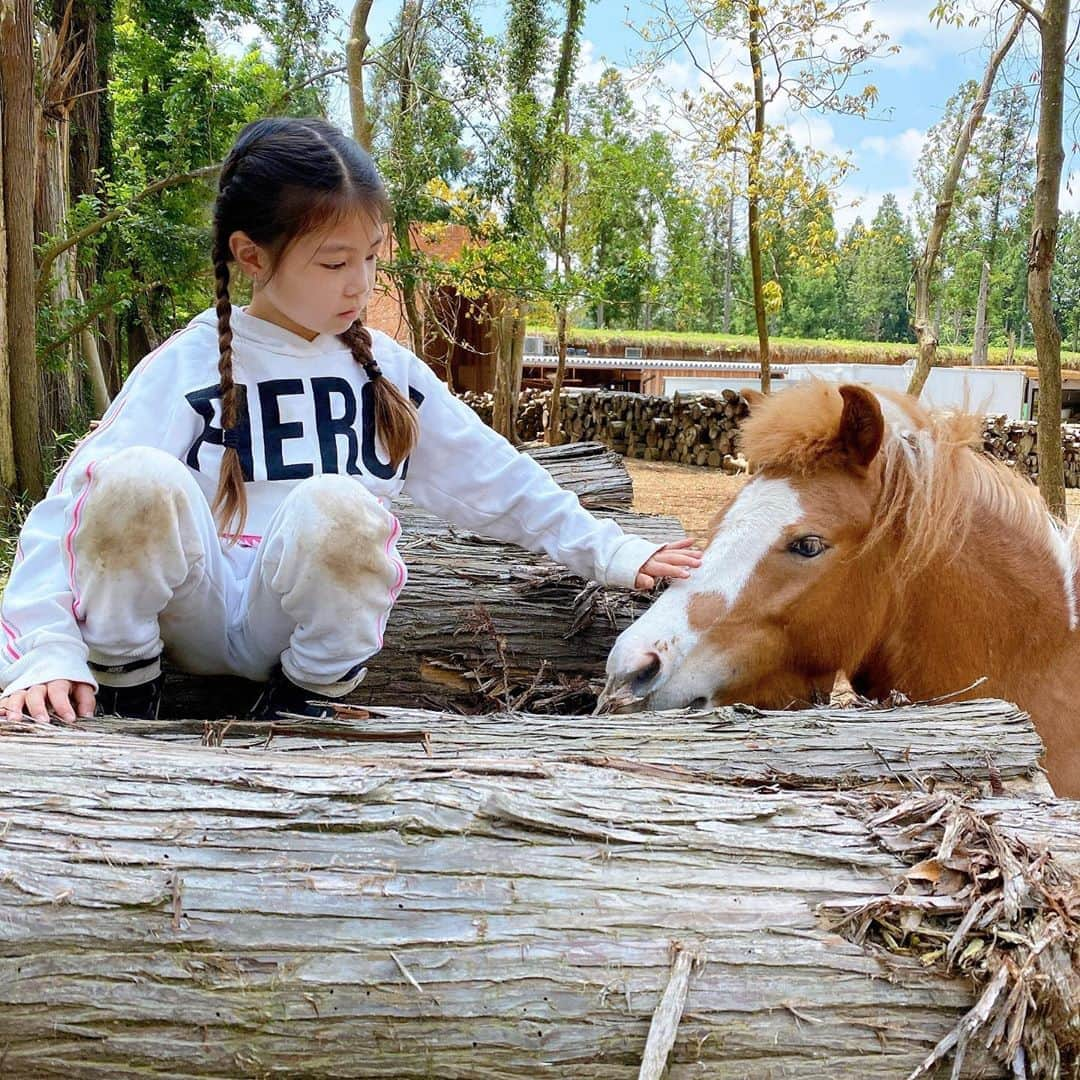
column 645, row 674
column 630, row 681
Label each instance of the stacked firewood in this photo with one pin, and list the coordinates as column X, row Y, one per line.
column 695, row 429
column 1015, row 444
column 532, row 410
column 702, row 429
column 699, row 429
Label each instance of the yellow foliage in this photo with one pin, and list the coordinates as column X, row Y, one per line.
column 773, row 295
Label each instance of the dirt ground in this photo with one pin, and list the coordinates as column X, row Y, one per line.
column 692, row 494
column 686, row 492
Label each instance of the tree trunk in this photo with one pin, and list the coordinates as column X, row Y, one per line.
column 729, row 253
column 753, row 187
column 407, row 276
column 354, row 53
column 553, row 432
column 95, row 372
column 508, row 368
column 517, row 361
column 7, row 445
column 413, row 315
column 986, row 739
column 87, row 47
column 483, row 901
column 980, row 346
column 502, row 417
column 925, row 331
column 1049, row 157
column 17, row 139
column 61, row 385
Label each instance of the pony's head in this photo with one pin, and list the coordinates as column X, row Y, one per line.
column 848, row 500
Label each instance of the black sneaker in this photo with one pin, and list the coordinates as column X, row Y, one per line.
column 281, row 695
column 139, row 702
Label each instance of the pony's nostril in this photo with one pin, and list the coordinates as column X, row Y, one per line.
column 699, row 703
column 645, row 675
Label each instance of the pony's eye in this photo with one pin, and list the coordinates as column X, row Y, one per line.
column 809, row 547
column 333, row 266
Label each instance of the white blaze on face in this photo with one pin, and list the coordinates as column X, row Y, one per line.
column 752, row 526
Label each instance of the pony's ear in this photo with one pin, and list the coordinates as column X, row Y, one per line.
column 862, row 427
column 753, row 398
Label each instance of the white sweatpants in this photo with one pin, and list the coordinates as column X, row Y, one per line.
column 150, row 575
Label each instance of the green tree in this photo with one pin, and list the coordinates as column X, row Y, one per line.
column 417, row 132
column 881, row 275
column 688, row 287
column 805, row 50
column 625, row 178
column 521, row 166
column 943, row 196
column 994, row 183
column 846, row 270
column 798, row 243
column 1066, row 284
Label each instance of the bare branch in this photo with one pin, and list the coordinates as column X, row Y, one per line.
column 51, row 253
column 1026, row 7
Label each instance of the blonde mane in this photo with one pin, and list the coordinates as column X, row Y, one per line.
column 934, row 475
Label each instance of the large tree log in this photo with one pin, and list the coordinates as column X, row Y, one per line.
column 831, row 748
column 482, row 623
column 194, row 910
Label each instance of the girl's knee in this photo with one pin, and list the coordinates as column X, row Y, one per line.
column 131, row 503
column 139, row 469
column 338, row 527
column 338, row 504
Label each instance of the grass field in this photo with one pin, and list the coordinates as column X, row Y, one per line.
column 791, row 350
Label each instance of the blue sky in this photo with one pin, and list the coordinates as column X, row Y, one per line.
column 913, row 87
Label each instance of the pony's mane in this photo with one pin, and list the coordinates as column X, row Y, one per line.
column 935, row 477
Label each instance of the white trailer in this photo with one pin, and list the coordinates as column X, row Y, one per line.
column 1007, row 391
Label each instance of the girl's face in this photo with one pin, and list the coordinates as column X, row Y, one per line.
column 322, row 282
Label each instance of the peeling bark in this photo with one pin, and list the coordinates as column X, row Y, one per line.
column 184, row 910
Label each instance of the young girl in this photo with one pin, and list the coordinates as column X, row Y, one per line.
column 231, row 509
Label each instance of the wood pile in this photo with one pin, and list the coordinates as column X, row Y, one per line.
column 1016, row 443
column 407, row 894
column 532, row 406
column 702, row 429
column 694, row 429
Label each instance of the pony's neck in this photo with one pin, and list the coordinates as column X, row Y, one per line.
column 1003, row 608
column 999, row 607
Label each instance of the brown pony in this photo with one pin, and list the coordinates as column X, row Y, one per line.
column 874, row 539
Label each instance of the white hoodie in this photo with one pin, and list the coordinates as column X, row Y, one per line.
column 307, row 409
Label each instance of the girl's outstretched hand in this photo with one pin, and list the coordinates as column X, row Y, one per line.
column 673, row 560
column 64, row 699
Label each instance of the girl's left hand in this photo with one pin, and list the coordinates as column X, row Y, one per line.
column 673, row 560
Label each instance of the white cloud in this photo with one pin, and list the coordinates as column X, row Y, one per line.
column 854, row 200
column 909, row 21
column 903, row 148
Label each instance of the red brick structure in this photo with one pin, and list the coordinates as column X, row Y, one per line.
column 468, row 353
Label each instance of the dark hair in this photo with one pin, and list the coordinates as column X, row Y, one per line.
column 283, row 178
